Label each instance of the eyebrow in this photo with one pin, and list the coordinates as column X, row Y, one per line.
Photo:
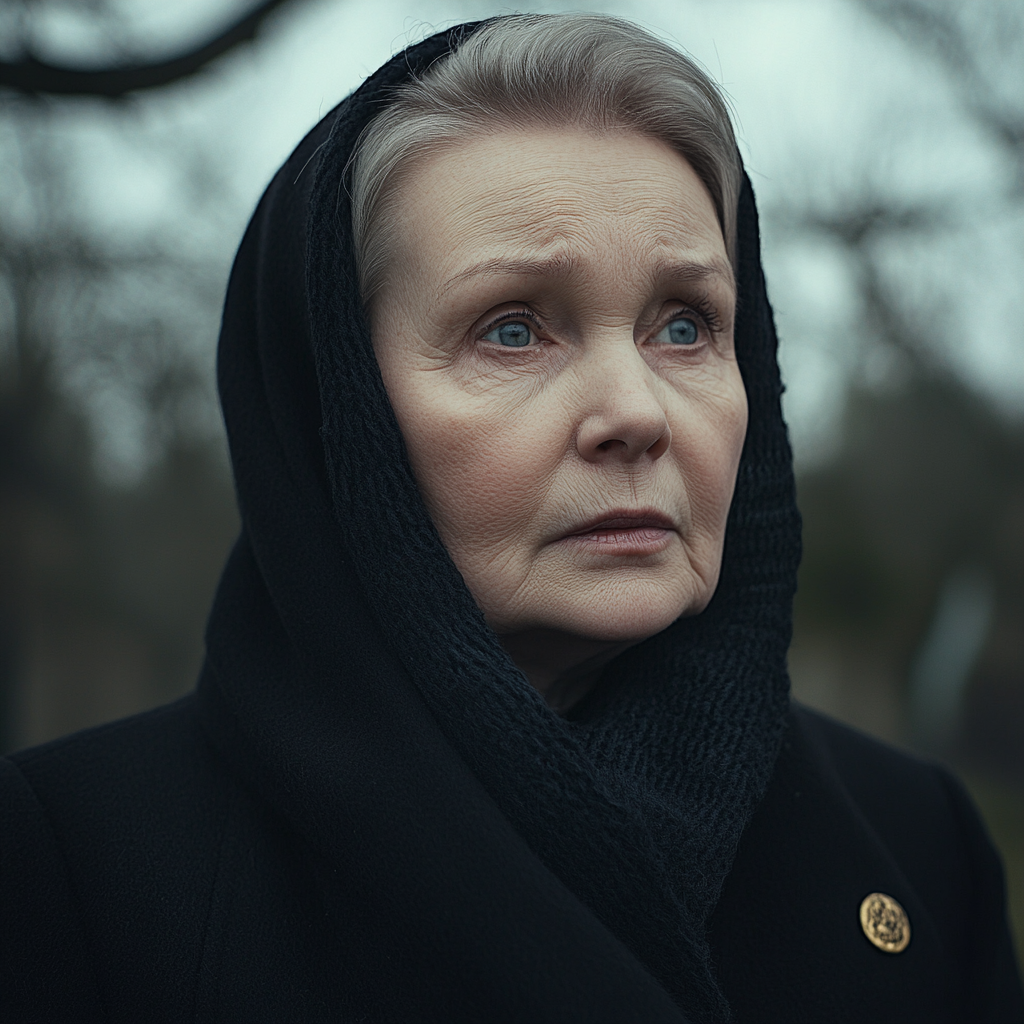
column 689, row 270
column 562, row 264
column 552, row 266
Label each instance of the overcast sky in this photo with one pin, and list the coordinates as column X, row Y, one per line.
column 827, row 102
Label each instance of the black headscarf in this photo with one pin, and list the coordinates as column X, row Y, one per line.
column 515, row 865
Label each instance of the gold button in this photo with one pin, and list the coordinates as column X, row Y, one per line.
column 885, row 923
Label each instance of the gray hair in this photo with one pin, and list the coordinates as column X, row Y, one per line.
column 521, row 71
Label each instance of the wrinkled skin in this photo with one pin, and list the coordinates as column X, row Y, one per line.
column 556, row 336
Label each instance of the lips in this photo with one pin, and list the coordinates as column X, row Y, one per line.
column 622, row 533
column 623, row 520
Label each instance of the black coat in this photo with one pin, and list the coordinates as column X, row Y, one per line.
column 366, row 812
column 141, row 881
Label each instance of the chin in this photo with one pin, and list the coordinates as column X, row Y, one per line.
column 626, row 614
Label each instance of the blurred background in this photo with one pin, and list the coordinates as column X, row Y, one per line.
column 886, row 145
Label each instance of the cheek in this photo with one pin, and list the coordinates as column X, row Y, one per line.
column 708, row 431
column 483, row 464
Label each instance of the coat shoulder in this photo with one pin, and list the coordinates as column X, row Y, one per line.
column 907, row 799
column 149, row 783
column 159, row 761
column 110, row 840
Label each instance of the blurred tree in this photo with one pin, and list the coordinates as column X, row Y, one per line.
column 928, row 477
column 928, row 484
column 110, row 539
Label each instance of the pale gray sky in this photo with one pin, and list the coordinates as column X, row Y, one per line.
column 827, row 103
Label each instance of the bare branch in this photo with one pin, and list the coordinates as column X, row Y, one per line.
column 860, row 227
column 932, row 28
column 37, row 77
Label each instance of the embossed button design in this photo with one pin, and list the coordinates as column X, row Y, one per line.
column 885, row 923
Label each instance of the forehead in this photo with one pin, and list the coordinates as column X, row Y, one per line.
column 570, row 196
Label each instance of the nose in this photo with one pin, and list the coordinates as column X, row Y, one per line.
column 623, row 421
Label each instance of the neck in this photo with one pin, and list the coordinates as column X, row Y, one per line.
column 561, row 667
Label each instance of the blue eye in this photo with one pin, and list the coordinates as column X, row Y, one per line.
column 682, row 331
column 511, row 334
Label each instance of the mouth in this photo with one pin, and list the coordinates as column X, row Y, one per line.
column 624, row 532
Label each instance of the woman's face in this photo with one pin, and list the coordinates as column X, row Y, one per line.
column 556, row 338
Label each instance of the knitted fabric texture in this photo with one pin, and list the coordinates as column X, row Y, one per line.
column 638, row 803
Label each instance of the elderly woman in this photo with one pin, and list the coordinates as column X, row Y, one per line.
column 495, row 721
